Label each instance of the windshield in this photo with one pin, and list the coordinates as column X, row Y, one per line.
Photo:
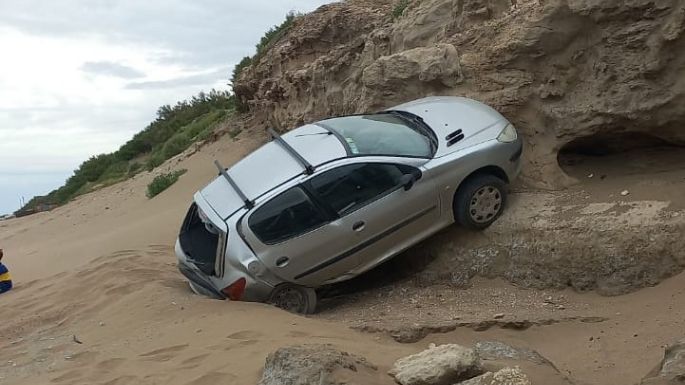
column 382, row 134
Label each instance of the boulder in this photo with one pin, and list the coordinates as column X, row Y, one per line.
column 505, row 376
column 507, row 364
column 496, row 350
column 315, row 365
column 438, row 365
column 439, row 63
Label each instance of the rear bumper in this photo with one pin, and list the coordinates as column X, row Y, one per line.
column 196, row 279
column 255, row 290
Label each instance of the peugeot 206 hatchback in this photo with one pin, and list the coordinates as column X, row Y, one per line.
column 332, row 199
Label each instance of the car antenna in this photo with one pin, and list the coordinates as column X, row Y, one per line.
column 308, row 168
column 222, row 171
column 316, row 133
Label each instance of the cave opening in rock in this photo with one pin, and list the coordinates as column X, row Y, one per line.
column 606, row 155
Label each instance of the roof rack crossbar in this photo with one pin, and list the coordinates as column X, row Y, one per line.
column 222, row 171
column 308, row 168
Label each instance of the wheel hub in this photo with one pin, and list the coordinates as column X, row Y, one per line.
column 290, row 300
column 485, row 204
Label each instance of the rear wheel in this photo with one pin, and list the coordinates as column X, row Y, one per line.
column 294, row 298
column 480, row 201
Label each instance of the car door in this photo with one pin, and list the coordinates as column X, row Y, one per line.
column 321, row 230
column 379, row 209
column 291, row 232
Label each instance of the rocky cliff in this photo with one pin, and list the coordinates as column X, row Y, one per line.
column 570, row 74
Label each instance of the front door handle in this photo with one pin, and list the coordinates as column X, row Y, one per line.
column 359, row 226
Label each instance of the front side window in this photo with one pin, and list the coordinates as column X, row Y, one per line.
column 347, row 188
column 288, row 215
column 381, row 134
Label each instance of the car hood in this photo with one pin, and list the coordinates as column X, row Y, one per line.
column 446, row 115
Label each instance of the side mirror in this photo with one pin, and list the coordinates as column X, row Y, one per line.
column 407, row 181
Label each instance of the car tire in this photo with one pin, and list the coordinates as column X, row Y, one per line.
column 479, row 201
column 294, row 298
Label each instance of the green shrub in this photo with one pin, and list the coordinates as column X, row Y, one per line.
column 115, row 171
column 399, row 8
column 175, row 145
column 200, row 124
column 205, row 134
column 192, row 118
column 156, row 159
column 134, row 168
column 162, row 182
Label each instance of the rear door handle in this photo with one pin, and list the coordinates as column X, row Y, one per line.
column 359, row 226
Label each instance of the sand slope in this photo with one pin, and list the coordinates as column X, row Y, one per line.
column 102, row 269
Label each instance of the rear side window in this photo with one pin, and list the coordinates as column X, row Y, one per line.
column 351, row 187
column 288, row 215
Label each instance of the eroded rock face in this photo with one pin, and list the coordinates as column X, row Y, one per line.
column 612, row 248
column 671, row 371
column 559, row 69
column 315, row 365
column 438, row 365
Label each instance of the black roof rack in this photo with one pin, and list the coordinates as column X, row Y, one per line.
column 222, row 171
column 308, row 168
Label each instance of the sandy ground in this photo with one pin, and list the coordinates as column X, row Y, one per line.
column 98, row 300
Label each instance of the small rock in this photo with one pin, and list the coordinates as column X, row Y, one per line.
column 498, row 316
column 314, row 365
column 506, row 376
column 561, row 307
column 439, row 365
column 671, row 369
column 591, row 176
column 101, row 323
column 625, row 192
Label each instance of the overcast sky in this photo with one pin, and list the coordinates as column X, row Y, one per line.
column 80, row 77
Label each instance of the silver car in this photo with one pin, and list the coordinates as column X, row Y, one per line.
column 332, row 199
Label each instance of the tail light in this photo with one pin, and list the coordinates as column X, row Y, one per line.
column 235, row 291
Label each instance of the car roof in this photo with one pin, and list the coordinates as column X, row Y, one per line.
column 272, row 165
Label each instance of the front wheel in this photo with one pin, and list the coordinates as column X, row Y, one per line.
column 294, row 298
column 479, row 201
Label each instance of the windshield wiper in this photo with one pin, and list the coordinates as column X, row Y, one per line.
column 420, row 124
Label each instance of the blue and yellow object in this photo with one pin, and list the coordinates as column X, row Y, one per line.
column 5, row 279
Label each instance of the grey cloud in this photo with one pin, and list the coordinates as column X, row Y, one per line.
column 108, row 68
column 200, row 33
column 192, row 80
column 193, row 36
